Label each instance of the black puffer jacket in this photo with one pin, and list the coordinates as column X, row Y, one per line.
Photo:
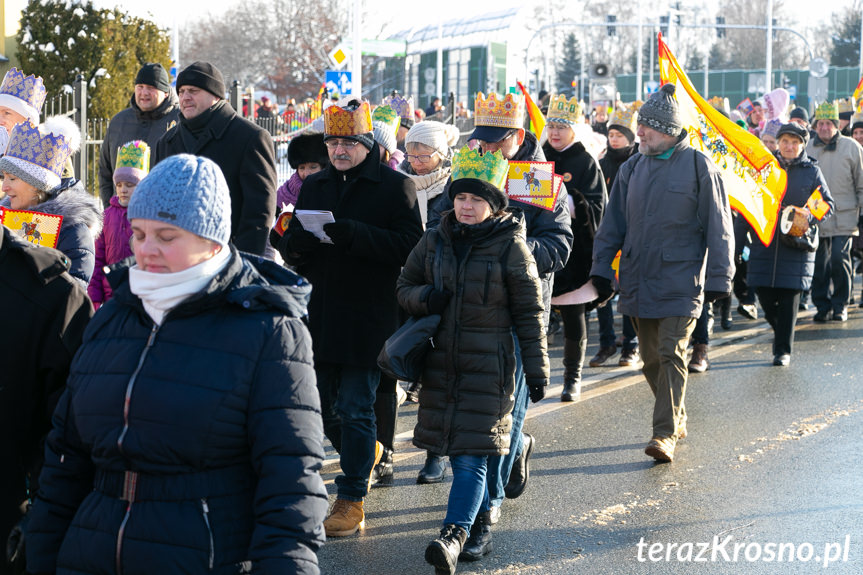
column 45, row 312
column 217, row 414
column 778, row 265
column 466, row 399
column 133, row 124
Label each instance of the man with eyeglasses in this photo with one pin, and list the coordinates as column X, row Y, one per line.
column 353, row 307
column 500, row 126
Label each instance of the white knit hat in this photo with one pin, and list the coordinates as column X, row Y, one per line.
column 433, row 134
column 384, row 136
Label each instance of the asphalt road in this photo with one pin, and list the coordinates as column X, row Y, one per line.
column 772, row 465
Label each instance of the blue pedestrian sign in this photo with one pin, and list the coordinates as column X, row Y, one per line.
column 338, row 82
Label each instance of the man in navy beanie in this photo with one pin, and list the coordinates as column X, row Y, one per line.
column 209, row 127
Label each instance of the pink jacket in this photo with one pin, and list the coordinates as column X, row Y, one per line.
column 112, row 245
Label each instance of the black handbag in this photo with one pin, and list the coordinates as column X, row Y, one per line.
column 806, row 241
column 403, row 354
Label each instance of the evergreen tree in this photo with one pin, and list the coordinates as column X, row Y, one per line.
column 569, row 67
column 60, row 40
column 846, row 37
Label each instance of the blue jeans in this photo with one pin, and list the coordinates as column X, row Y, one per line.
column 499, row 466
column 605, row 318
column 468, row 493
column 702, row 333
column 347, row 406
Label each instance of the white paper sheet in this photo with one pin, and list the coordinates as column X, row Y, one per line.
column 314, row 221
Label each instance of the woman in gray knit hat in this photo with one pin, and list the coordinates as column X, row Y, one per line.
column 429, row 160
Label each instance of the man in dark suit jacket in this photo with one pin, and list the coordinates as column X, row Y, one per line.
column 209, row 127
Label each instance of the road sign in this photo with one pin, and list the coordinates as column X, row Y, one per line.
column 339, row 82
column 818, row 67
column 651, row 86
column 338, row 56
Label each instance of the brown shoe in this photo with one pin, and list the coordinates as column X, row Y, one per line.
column 661, row 448
column 346, row 518
column 603, row 355
column 698, row 362
column 629, row 358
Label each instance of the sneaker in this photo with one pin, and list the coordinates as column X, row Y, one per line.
column 603, row 355
column 629, row 358
column 820, row 317
column 346, row 518
column 520, row 472
column 494, row 514
column 661, row 448
column 748, row 310
column 782, row 360
column 841, row 315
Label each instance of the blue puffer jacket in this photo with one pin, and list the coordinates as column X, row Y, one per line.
column 190, row 447
column 778, row 265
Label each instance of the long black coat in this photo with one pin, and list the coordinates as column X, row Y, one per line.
column 778, row 265
column 217, row 412
column 247, row 158
column 45, row 312
column 353, row 309
column 467, row 397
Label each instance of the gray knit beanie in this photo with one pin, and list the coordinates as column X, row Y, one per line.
column 186, row 191
column 661, row 112
column 385, row 136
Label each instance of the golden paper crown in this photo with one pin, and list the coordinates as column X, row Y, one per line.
column 506, row 112
column 388, row 116
column 562, row 110
column 720, row 104
column 625, row 116
column 135, row 154
column 489, row 167
column 827, row 111
column 846, row 105
column 341, row 122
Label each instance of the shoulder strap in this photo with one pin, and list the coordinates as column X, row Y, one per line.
column 436, row 269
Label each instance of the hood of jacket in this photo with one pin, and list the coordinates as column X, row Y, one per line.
column 484, row 233
column 166, row 107
column 248, row 281
column 47, row 264
column 76, row 206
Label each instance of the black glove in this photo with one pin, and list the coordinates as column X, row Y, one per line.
column 436, row 300
column 15, row 554
column 299, row 242
column 712, row 296
column 537, row 391
column 341, row 232
column 604, row 290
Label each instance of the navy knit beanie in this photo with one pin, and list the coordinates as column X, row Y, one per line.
column 186, row 191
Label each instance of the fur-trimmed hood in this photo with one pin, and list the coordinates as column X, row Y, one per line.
column 76, row 206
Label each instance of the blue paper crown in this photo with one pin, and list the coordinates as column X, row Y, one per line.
column 49, row 151
column 30, row 89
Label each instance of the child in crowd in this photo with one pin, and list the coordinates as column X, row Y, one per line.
column 112, row 245
column 307, row 155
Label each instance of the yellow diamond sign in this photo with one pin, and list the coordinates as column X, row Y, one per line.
column 338, row 56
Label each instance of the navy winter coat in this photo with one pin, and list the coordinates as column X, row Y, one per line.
column 190, row 447
column 778, row 265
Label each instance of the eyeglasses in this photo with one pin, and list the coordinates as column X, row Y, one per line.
column 496, row 145
column 346, row 144
column 421, row 158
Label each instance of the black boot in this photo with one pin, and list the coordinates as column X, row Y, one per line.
column 573, row 359
column 725, row 308
column 386, row 413
column 479, row 542
column 434, row 469
column 443, row 552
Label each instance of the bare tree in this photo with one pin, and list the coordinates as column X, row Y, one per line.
column 277, row 45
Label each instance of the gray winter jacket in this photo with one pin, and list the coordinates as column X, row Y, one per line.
column 843, row 169
column 672, row 221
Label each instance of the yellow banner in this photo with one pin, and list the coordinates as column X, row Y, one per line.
column 533, row 183
column 35, row 227
column 753, row 179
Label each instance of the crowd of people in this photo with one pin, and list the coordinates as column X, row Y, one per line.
column 198, row 333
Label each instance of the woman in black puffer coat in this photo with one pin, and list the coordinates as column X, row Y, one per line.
column 189, row 438
column 488, row 290
column 778, row 272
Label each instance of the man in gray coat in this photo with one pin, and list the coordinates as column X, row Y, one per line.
column 669, row 216
column 152, row 111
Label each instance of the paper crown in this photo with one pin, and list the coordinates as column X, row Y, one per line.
column 846, row 105
column 562, row 110
column 341, row 122
column 133, row 162
column 489, row 167
column 827, row 111
column 506, row 112
column 36, row 158
column 720, row 104
column 386, row 115
column 23, row 94
column 625, row 116
column 403, row 107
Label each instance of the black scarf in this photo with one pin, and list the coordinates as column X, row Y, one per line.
column 828, row 146
column 195, row 129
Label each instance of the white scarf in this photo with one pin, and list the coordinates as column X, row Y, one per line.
column 160, row 293
column 429, row 186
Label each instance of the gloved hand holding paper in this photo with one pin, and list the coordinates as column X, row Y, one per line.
column 314, row 221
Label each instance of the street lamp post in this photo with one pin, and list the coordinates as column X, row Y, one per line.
column 769, row 64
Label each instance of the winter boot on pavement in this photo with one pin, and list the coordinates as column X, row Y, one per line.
column 698, row 362
column 346, row 518
column 603, row 355
column 434, row 469
column 443, row 552
column 520, row 472
column 661, row 449
column 479, row 543
column 573, row 358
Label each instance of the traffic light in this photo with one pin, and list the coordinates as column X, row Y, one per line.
column 611, row 19
column 720, row 30
column 663, row 25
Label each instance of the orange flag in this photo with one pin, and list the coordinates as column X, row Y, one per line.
column 858, row 90
column 816, row 204
column 537, row 120
column 753, row 179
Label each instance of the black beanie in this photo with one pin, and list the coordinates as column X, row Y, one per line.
column 800, row 114
column 489, row 192
column 794, row 130
column 306, row 148
column 856, row 125
column 153, row 74
column 205, row 76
